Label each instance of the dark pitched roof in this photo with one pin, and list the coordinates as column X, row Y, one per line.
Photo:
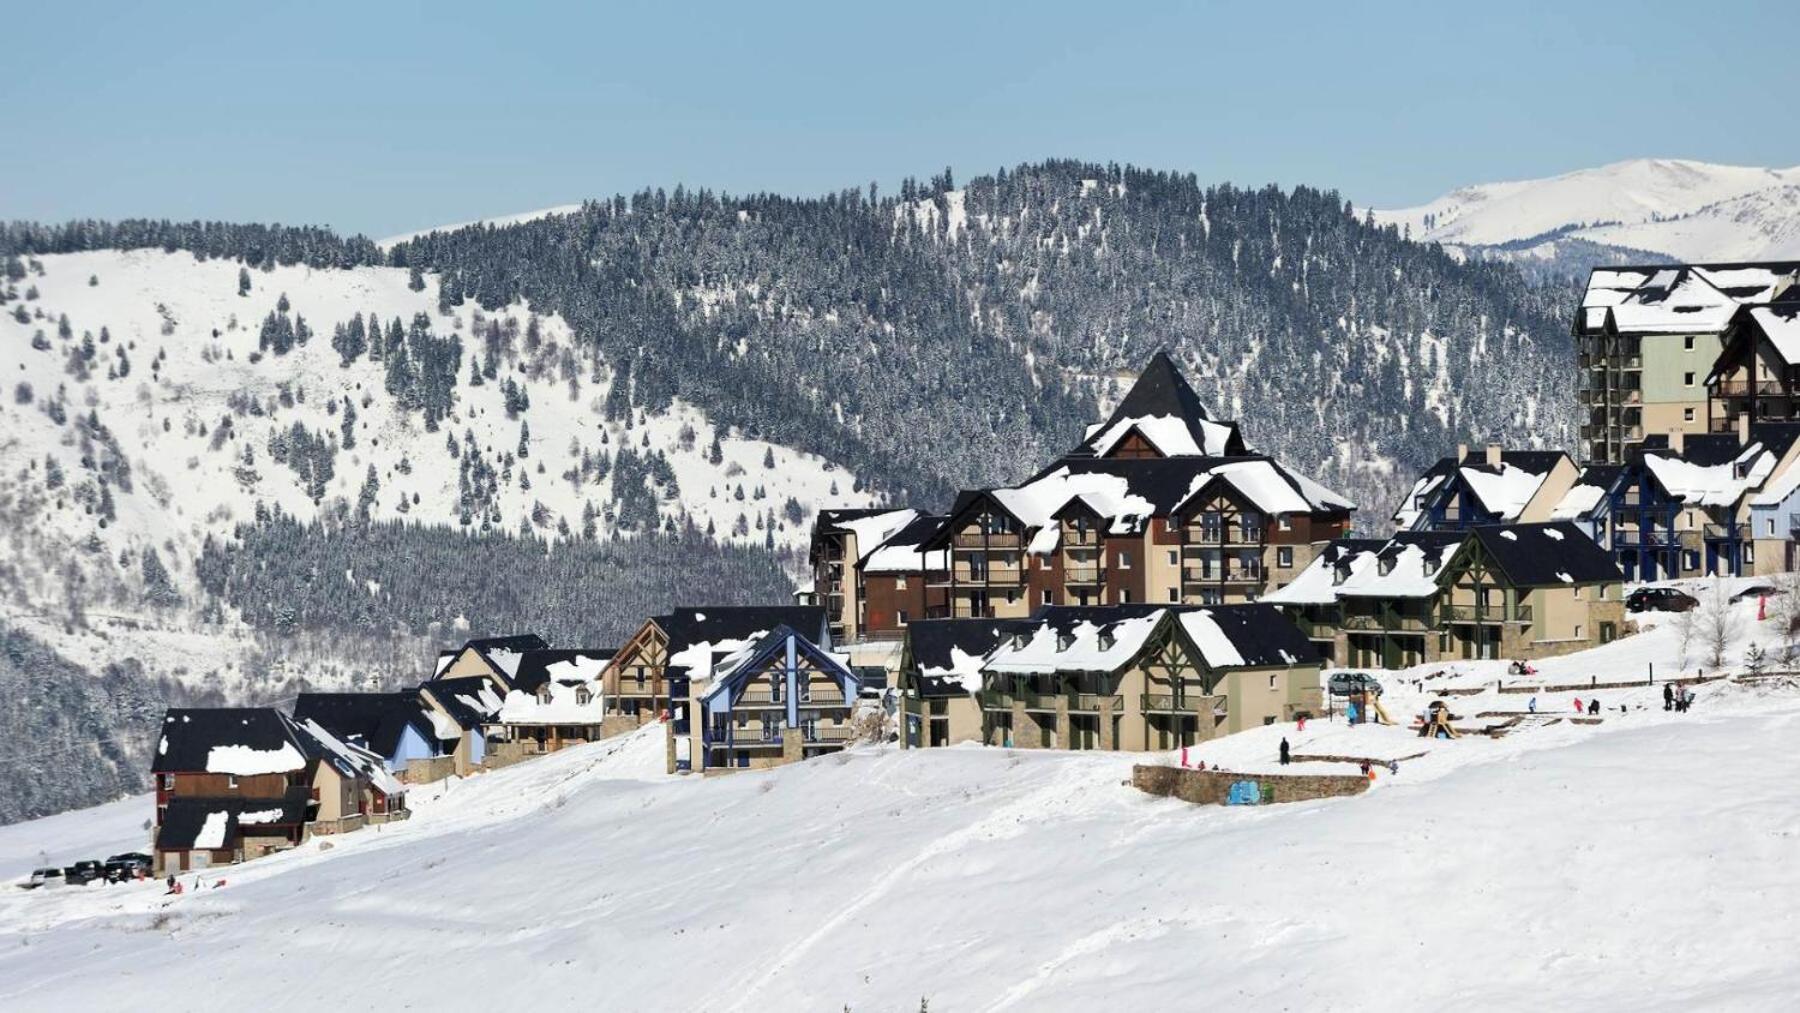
column 375, row 721
column 1339, row 548
column 776, row 642
column 184, row 818
column 686, row 627
column 534, row 667
column 1161, row 390
column 931, row 642
column 457, row 697
column 488, row 647
column 190, row 734
column 1540, row 555
column 1427, row 540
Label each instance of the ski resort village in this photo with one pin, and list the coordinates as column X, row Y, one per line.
column 1177, row 683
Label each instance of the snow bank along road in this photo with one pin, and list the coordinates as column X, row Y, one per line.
column 1645, row 863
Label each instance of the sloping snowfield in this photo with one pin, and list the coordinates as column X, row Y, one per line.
column 1644, row 863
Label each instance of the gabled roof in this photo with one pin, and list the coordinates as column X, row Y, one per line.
column 1106, row 638
column 1678, row 298
column 1715, row 469
column 904, row 550
column 351, row 760
column 1549, row 554
column 469, row 700
column 696, row 634
column 503, row 654
column 731, row 678
column 947, row 653
column 1588, row 496
column 1163, row 409
column 218, row 823
column 582, row 664
column 1504, row 490
column 1317, row 584
column 229, row 740
column 373, row 720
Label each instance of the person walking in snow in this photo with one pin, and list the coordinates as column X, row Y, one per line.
column 1578, row 707
column 1668, row 696
column 1531, row 705
column 1300, row 725
column 1594, row 707
column 1285, row 759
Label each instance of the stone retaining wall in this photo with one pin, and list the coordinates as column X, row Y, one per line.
column 1212, row 787
column 425, row 770
column 1578, row 687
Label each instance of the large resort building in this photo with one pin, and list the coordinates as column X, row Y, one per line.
column 1160, row 504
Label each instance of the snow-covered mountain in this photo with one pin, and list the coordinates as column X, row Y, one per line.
column 1683, row 210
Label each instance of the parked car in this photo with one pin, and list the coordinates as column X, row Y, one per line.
column 84, row 872
column 129, row 865
column 1756, row 591
column 1351, row 683
column 44, row 877
column 1659, row 599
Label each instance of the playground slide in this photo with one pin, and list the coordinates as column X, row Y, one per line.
column 1381, row 713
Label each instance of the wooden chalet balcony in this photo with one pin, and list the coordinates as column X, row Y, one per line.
column 1166, row 703
column 1727, row 532
column 989, row 540
column 1390, row 622
column 828, row 735
column 1035, row 700
column 965, row 611
column 1095, row 702
column 754, row 740
column 1748, row 388
column 1075, row 538
column 1083, row 574
column 1485, row 615
column 1638, row 538
column 763, row 697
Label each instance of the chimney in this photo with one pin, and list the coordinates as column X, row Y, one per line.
column 1676, row 443
column 1462, row 452
column 1493, row 455
column 1743, row 428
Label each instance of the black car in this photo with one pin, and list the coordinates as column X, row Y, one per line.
column 129, row 865
column 84, row 872
column 1659, row 599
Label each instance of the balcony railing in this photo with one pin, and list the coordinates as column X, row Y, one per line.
column 1167, row 703
column 759, row 697
column 1637, row 538
column 1728, row 532
column 1747, row 388
column 1082, row 574
column 1221, row 574
column 988, row 540
column 1485, row 614
column 1090, row 702
column 1385, row 621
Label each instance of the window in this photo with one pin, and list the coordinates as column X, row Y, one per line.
column 1577, row 593
column 1124, row 560
column 1048, row 598
column 1272, row 682
column 1687, row 379
column 168, row 782
column 1284, row 523
column 1012, row 596
column 1175, row 595
column 806, row 691
column 1749, row 553
column 1687, row 343
column 231, row 781
column 583, row 697
column 900, row 617
column 1124, row 596
column 1690, row 560
column 1174, row 557
column 900, row 583
column 1577, row 631
column 1284, row 556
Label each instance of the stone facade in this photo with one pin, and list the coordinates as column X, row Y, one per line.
column 1212, row 787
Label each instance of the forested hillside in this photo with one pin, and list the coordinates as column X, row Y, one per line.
column 243, row 459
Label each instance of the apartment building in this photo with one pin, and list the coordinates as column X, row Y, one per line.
column 1500, row 591
column 1648, row 338
column 1158, row 504
column 1757, row 374
column 1106, row 677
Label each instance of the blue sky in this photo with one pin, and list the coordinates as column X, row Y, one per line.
column 381, row 117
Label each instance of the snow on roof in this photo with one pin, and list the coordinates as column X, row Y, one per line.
column 212, row 832
column 709, row 659
column 1212, row 641
column 964, row 668
column 1036, row 502
column 351, row 760
column 244, row 761
column 1505, row 492
column 1258, row 482
column 506, row 659
column 1086, row 647
column 1782, row 325
column 1411, row 506
column 256, row 816
column 564, row 705
column 1670, row 300
column 1169, row 434
column 1779, row 488
column 1399, row 570
column 874, row 529
column 1578, row 502
column 1720, row 484
column 900, row 552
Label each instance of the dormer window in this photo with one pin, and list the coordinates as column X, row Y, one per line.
column 1385, row 566
column 1431, row 565
column 583, row 697
column 1106, row 640
column 1340, row 572
column 1064, row 641
column 543, row 693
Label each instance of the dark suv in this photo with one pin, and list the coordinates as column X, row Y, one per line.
column 127, row 866
column 1351, row 683
column 1659, row 599
column 84, row 872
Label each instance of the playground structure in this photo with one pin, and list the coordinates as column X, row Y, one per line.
column 1365, row 706
column 1436, row 723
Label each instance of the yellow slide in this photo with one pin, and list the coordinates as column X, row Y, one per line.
column 1381, row 714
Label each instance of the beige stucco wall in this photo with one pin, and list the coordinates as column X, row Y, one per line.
column 1556, row 485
